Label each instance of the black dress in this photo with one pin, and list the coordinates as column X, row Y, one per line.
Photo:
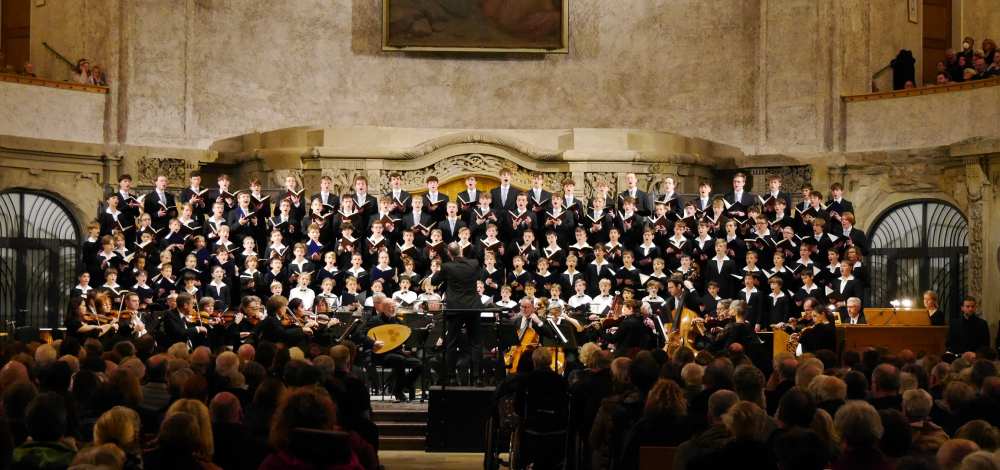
column 824, row 336
column 73, row 325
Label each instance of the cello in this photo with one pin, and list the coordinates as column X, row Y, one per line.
column 684, row 333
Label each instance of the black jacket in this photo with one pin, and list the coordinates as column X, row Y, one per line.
column 461, row 276
column 175, row 329
column 631, row 333
column 151, row 205
column 966, row 335
column 502, row 207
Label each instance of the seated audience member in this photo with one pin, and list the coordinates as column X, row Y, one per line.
column 712, row 438
column 662, row 424
column 951, row 454
column 120, row 427
column 927, row 437
column 885, row 388
column 46, row 422
column 987, row 437
column 177, row 444
column 803, row 450
column 235, row 446
column 860, row 429
column 325, row 446
column 745, row 422
column 257, row 416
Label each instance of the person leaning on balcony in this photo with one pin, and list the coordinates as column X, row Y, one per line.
column 81, row 73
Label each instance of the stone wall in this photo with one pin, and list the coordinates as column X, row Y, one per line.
column 922, row 121
column 49, row 113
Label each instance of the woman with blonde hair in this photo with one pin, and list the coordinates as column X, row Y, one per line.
column 131, row 390
column 663, row 422
column 120, row 427
column 81, row 73
column 197, row 409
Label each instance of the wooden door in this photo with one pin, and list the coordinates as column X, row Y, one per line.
column 15, row 28
column 937, row 36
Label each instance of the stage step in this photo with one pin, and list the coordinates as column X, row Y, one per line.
column 401, row 429
column 390, row 429
column 400, row 416
column 402, row 443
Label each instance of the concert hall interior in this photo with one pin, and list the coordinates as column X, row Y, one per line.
column 528, row 233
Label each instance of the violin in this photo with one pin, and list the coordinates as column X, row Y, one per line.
column 615, row 317
column 197, row 318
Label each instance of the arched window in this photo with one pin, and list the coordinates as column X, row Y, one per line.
column 39, row 257
column 918, row 246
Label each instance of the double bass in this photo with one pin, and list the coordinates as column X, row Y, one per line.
column 685, row 332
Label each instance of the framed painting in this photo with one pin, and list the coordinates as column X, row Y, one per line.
column 538, row 26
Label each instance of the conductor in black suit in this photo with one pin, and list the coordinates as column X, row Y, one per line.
column 160, row 204
column 461, row 275
column 175, row 329
column 739, row 200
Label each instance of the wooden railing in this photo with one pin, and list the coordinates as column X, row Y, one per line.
column 927, row 90
column 64, row 85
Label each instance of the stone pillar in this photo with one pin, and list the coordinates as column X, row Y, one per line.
column 759, row 176
column 974, row 180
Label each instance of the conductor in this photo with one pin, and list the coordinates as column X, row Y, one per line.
column 461, row 275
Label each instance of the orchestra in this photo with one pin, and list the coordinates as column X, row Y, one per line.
column 553, row 262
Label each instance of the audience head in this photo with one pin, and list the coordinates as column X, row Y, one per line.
column 951, row 453
column 666, row 397
column 858, row 425
column 986, row 436
column 719, row 374
column 197, row 410
column 897, row 433
column 119, row 426
column 305, row 408
column 796, row 408
column 719, row 404
column 749, row 383
column 745, row 419
column 226, row 408
column 917, row 405
column 179, row 433
column 45, row 418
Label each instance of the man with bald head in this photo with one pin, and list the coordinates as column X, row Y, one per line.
column 394, row 358
column 13, row 372
column 235, row 446
column 460, row 276
column 247, row 353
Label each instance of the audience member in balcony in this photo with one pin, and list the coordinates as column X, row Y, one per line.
column 989, row 50
column 968, row 74
column 28, row 70
column 994, row 69
column 81, row 74
column 951, row 63
column 97, row 76
column 979, row 64
column 943, row 78
column 908, row 85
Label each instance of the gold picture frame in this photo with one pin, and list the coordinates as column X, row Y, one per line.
column 529, row 26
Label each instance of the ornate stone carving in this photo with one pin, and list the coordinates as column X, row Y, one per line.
column 974, row 181
column 278, row 177
column 474, row 163
column 523, row 148
column 343, row 179
column 147, row 169
column 792, row 177
column 591, row 180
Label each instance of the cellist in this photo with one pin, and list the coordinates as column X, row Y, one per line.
column 631, row 332
column 530, row 329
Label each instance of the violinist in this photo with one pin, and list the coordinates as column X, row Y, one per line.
column 822, row 334
column 131, row 322
column 631, row 332
column 270, row 328
column 175, row 327
column 76, row 323
column 298, row 317
column 736, row 329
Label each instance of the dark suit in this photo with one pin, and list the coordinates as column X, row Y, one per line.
column 631, row 333
column 238, row 232
column 966, row 335
column 441, row 211
column 405, row 198
column 151, row 205
column 723, row 277
column 461, row 276
column 467, row 215
column 500, row 206
column 449, row 235
column 425, row 219
column 846, row 319
column 677, row 205
column 331, row 199
column 746, row 200
column 643, row 205
column 175, row 329
column 543, row 196
column 858, row 239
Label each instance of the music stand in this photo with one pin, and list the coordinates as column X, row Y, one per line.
column 564, row 336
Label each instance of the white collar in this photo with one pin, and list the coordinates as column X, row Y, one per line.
column 849, row 278
column 115, row 213
column 724, row 258
column 751, row 292
column 780, row 294
column 217, row 284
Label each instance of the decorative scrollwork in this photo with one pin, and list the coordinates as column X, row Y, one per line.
column 147, row 169
column 279, row 177
column 591, row 180
column 472, row 164
column 497, row 140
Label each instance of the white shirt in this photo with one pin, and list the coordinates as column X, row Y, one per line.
column 737, row 196
column 843, row 283
column 854, row 320
column 720, row 261
column 580, row 300
column 114, row 214
column 306, row 294
column 433, row 197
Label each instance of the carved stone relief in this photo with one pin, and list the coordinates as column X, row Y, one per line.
column 792, row 178
column 147, row 169
column 974, row 180
column 278, row 178
column 343, row 179
column 591, row 180
column 474, row 163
